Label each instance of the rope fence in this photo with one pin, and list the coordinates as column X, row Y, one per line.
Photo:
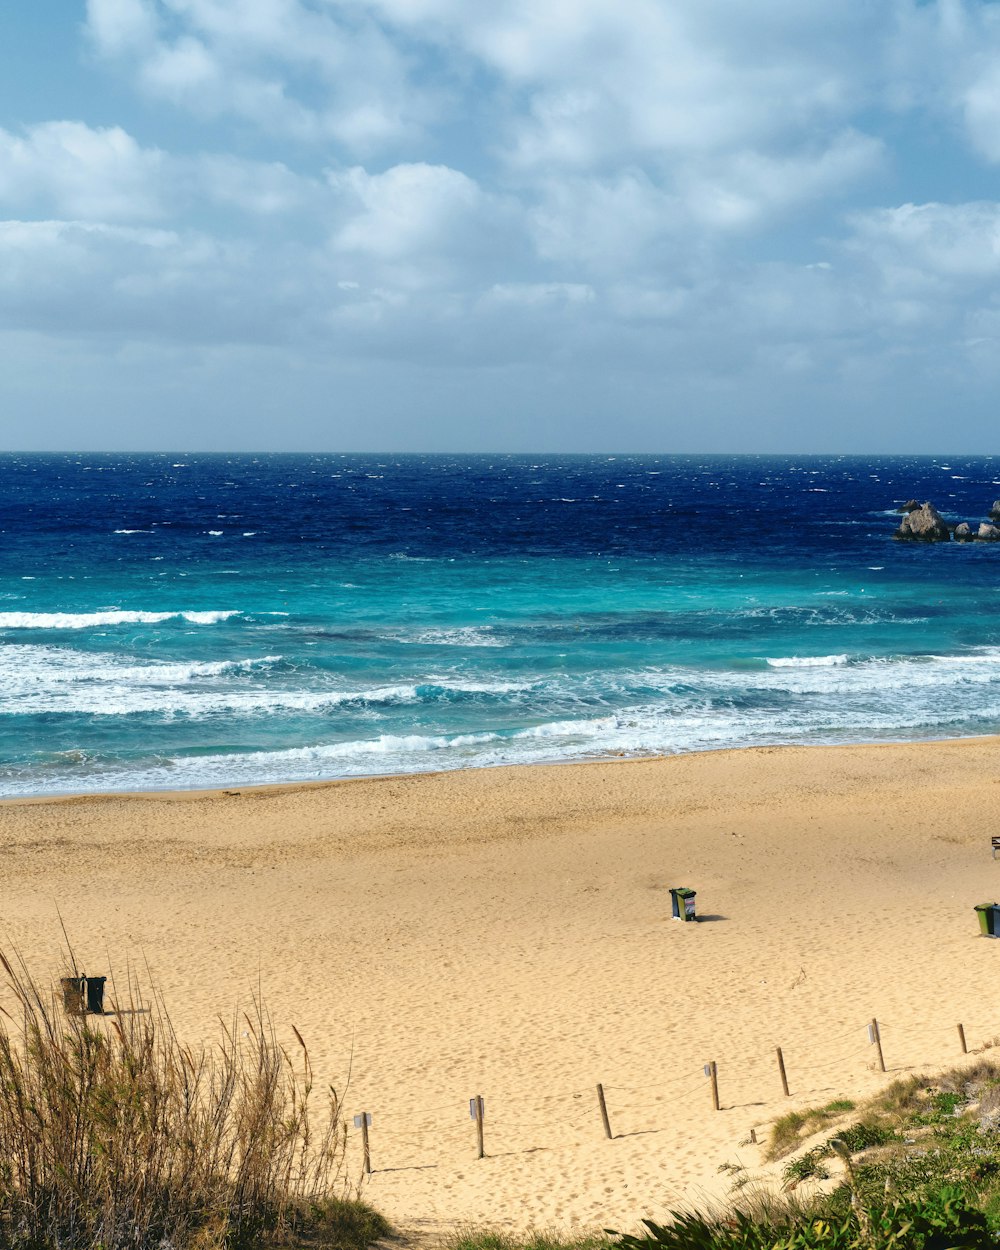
column 607, row 1107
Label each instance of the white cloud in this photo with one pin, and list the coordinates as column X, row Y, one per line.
column 644, row 79
column 604, row 225
column 121, row 26
column 419, row 224
column 536, row 294
column 943, row 62
column 313, row 74
column 655, row 188
column 66, row 169
column 160, row 285
column 957, row 244
column 981, row 105
column 71, row 170
column 751, row 187
column 584, row 87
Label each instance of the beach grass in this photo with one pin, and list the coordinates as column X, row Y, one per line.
column 491, row 1239
column 114, row 1133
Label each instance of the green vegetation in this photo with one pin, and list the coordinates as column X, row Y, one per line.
column 115, row 1135
column 479, row 1239
column 943, row 1221
column 789, row 1131
column 918, row 1169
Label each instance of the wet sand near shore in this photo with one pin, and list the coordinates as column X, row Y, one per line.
column 507, row 933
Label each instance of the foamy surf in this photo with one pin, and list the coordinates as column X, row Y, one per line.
column 91, row 620
column 807, row 661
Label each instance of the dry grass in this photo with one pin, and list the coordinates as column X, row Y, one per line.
column 115, row 1134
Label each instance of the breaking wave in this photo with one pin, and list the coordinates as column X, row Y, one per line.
column 113, row 616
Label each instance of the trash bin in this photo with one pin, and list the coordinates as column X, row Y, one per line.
column 987, row 919
column 72, row 992
column 95, row 995
column 682, row 903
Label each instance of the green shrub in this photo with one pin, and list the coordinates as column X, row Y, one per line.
column 863, row 1135
column 332, row 1224
column 809, row 1166
column 838, row 1107
column 788, row 1130
column 492, row 1239
column 940, row 1221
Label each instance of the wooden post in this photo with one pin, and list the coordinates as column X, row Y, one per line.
column 961, row 1038
column 753, row 1137
column 364, row 1143
column 781, row 1069
column 479, row 1124
column 604, row 1111
column 714, row 1073
column 877, row 1036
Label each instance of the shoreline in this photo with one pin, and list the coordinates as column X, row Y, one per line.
column 291, row 787
column 506, row 932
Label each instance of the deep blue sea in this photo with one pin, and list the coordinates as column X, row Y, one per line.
column 171, row 621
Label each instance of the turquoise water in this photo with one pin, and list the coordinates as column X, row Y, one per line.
column 181, row 621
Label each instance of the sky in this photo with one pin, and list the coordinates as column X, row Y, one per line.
column 521, row 225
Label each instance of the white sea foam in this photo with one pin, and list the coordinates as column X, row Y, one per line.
column 459, row 636
column 44, row 679
column 112, row 616
column 133, row 531
column 514, row 718
column 464, row 686
column 695, row 723
column 44, row 667
column 807, row 661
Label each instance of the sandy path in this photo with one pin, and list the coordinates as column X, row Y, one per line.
column 507, row 933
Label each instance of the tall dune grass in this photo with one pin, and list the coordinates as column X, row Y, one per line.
column 115, row 1134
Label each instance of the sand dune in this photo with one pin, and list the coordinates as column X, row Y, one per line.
column 507, row 933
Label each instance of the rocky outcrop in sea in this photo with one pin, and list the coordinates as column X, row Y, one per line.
column 922, row 523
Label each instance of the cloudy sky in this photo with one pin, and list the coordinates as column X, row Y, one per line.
column 651, row 225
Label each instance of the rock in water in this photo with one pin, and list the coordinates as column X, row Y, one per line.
column 911, row 505
column 963, row 533
column 924, row 525
column 988, row 533
column 994, row 511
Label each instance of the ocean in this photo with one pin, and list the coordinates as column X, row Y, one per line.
column 178, row 621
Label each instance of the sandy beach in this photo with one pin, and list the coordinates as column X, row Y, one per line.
column 507, row 933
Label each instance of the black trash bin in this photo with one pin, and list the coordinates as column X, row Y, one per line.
column 682, row 903
column 95, row 995
column 987, row 919
column 72, row 992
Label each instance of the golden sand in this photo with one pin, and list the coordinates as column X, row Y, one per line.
column 507, row 933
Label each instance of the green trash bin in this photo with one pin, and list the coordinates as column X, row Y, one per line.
column 986, row 919
column 682, row 903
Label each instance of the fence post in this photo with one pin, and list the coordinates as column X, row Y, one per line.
column 877, row 1039
column 961, row 1028
column 361, row 1122
column 478, row 1109
column 714, row 1074
column 604, row 1111
column 781, row 1069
